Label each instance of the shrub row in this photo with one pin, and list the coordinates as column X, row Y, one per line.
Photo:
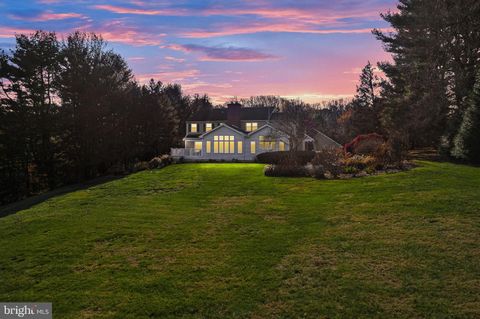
column 277, row 170
column 288, row 158
column 156, row 162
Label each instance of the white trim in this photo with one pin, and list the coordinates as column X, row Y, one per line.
column 218, row 127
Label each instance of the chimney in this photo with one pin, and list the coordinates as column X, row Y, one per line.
column 233, row 114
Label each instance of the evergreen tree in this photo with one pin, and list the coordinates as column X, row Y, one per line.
column 363, row 114
column 467, row 141
column 435, row 46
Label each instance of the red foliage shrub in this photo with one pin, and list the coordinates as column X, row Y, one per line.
column 367, row 144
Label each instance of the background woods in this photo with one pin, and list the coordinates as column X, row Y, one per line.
column 71, row 111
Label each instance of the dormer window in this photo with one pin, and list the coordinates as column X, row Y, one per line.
column 193, row 128
column 251, row 126
column 208, row 127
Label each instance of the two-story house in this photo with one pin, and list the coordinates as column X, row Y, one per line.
column 240, row 133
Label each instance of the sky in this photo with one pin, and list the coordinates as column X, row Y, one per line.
column 307, row 49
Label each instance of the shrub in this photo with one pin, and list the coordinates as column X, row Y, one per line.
column 360, row 161
column 318, row 172
column 350, row 170
column 140, row 166
column 293, row 158
column 160, row 162
column 166, row 159
column 155, row 162
column 330, row 160
column 285, row 171
column 367, row 144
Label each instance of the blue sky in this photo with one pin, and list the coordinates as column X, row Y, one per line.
column 307, row 49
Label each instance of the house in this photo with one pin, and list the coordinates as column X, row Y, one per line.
column 240, row 133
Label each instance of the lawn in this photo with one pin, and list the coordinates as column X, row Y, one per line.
column 223, row 241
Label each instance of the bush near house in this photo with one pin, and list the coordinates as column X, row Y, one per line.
column 286, row 158
column 285, row 171
column 366, row 144
column 160, row 161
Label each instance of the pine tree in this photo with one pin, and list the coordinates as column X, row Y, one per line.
column 467, row 141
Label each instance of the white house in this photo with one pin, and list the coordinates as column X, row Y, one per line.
column 240, row 133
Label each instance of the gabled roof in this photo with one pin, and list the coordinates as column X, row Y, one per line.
column 263, row 127
column 246, row 114
column 223, row 125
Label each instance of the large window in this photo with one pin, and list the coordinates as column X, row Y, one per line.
column 193, row 128
column 251, row 126
column 266, row 143
column 198, row 147
column 208, row 147
column 208, row 127
column 224, row 144
column 253, row 147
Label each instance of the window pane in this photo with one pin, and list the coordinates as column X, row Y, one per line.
column 198, row 147
column 232, row 147
column 281, row 146
column 215, row 138
column 208, row 127
column 193, row 127
column 252, row 147
column 215, row 147
column 254, row 126
column 208, row 147
column 239, row 147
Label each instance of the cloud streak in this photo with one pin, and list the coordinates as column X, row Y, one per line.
column 140, row 11
column 231, row 54
column 49, row 16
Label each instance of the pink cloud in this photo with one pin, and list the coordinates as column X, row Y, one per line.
column 117, row 31
column 8, row 32
column 168, row 76
column 125, row 10
column 269, row 27
column 48, row 16
column 174, row 59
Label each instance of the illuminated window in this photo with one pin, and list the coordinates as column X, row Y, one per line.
column 208, row 147
column 224, row 144
column 215, row 144
column 252, row 147
column 251, row 126
column 239, row 147
column 193, row 127
column 266, row 143
column 198, row 147
column 281, row 146
column 208, row 127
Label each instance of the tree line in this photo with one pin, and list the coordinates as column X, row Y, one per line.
column 429, row 96
column 71, row 110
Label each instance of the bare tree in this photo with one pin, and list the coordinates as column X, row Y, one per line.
column 294, row 118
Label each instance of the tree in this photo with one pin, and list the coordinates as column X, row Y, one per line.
column 93, row 84
column 435, row 46
column 467, row 141
column 30, row 109
column 295, row 119
column 364, row 113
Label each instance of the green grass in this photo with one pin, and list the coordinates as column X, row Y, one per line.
column 223, row 241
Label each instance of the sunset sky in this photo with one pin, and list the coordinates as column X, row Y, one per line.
column 310, row 49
